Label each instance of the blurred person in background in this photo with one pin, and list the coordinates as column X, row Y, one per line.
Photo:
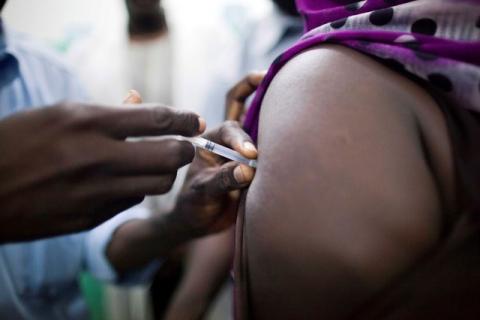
column 136, row 55
column 38, row 279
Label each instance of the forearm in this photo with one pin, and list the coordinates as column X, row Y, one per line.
column 209, row 262
column 138, row 242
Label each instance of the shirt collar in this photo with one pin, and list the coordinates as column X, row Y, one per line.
column 3, row 44
column 9, row 68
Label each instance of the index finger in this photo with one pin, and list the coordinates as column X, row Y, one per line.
column 149, row 120
column 237, row 96
column 231, row 135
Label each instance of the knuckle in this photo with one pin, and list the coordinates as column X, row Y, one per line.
column 232, row 124
column 72, row 110
column 227, row 128
column 75, row 115
column 185, row 122
column 223, row 180
column 175, row 121
column 230, row 94
column 163, row 117
column 58, row 113
column 226, row 180
column 191, row 123
column 66, row 108
column 65, row 156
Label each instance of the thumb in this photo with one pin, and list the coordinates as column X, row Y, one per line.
column 133, row 97
column 228, row 177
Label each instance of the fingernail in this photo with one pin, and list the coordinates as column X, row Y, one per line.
column 239, row 174
column 243, row 174
column 249, row 146
column 132, row 97
column 130, row 94
column 202, row 125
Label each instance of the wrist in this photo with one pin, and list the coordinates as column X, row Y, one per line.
column 137, row 242
column 171, row 225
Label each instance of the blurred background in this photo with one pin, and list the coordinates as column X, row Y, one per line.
column 74, row 15
column 90, row 34
column 209, row 46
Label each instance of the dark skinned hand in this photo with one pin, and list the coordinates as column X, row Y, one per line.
column 208, row 201
column 206, row 204
column 69, row 167
column 239, row 93
column 213, row 185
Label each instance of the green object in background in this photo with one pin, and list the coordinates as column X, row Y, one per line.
column 93, row 292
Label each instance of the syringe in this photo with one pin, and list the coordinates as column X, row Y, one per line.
column 221, row 151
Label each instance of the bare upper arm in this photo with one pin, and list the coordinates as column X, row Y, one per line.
column 343, row 200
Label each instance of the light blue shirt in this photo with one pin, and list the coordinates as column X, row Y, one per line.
column 38, row 279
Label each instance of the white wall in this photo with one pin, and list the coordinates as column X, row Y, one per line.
column 52, row 20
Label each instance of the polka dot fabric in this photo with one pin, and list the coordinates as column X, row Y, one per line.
column 436, row 40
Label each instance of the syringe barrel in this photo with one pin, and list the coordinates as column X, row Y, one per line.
column 222, row 151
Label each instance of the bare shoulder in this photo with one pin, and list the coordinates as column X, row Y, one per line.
column 335, row 87
column 342, row 180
